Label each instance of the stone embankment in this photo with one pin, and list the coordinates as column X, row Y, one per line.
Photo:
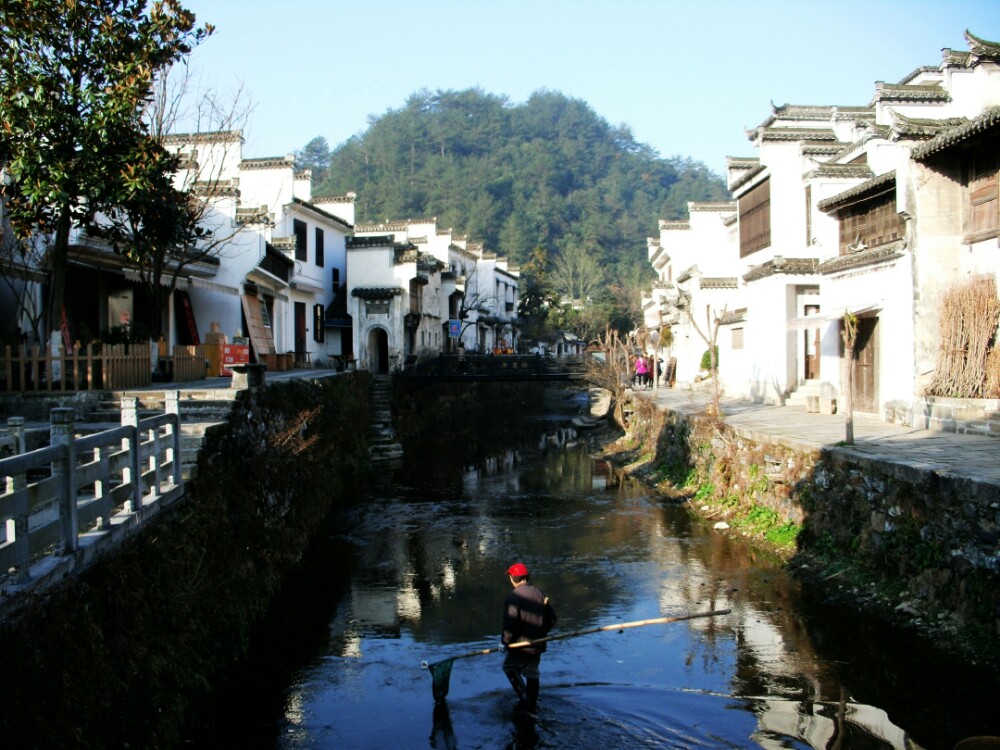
column 904, row 520
column 129, row 653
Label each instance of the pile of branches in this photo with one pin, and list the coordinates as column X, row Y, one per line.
column 969, row 360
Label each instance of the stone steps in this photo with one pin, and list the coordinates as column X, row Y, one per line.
column 383, row 445
column 800, row 396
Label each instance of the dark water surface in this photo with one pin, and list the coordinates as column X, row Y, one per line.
column 419, row 576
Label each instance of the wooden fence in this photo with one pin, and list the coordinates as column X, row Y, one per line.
column 64, row 503
column 189, row 363
column 110, row 367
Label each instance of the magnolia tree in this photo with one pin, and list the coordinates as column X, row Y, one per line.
column 849, row 336
column 76, row 80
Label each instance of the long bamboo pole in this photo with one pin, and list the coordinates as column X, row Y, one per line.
column 588, row 631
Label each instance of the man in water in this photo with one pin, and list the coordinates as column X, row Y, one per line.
column 527, row 616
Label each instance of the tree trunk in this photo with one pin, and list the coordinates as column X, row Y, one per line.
column 849, row 334
column 58, row 262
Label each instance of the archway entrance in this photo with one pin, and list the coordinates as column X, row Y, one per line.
column 378, row 350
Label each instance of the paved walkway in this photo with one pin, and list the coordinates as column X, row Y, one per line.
column 975, row 457
column 225, row 383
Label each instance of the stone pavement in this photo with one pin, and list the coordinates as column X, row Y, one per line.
column 974, row 457
column 224, row 383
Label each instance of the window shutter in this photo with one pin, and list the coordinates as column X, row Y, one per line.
column 258, row 330
column 319, row 324
column 983, row 197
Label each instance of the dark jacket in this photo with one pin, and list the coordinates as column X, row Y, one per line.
column 527, row 615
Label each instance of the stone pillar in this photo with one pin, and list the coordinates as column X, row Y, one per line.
column 171, row 402
column 63, row 468
column 16, row 427
column 132, row 476
column 171, row 405
column 17, row 524
column 248, row 377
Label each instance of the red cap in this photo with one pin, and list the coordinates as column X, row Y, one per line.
column 518, row 570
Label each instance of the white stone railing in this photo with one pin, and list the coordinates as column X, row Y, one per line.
column 66, row 502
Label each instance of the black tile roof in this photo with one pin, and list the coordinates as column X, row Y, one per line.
column 868, row 257
column 985, row 123
column 776, row 265
column 870, row 187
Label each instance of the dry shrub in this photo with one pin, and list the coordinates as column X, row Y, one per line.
column 613, row 371
column 969, row 316
column 993, row 373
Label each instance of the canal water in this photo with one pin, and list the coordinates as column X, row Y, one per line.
column 414, row 573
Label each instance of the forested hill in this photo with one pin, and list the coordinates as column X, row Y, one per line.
column 547, row 172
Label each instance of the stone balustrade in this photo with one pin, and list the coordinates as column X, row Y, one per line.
column 64, row 503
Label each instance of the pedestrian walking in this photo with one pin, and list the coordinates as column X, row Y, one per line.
column 641, row 371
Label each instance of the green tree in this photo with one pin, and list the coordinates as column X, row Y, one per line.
column 548, row 172
column 75, row 76
column 315, row 155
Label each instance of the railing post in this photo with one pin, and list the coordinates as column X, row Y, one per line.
column 101, row 488
column 16, row 427
column 172, row 405
column 17, row 526
column 133, row 474
column 61, row 434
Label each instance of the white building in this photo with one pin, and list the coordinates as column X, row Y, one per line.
column 697, row 284
column 862, row 210
column 282, row 258
column 394, row 294
column 436, row 292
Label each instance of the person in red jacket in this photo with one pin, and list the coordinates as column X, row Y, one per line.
column 527, row 616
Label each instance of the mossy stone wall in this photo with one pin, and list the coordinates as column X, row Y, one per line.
column 128, row 653
column 929, row 542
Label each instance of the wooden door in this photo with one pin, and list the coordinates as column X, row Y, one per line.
column 810, row 346
column 865, row 363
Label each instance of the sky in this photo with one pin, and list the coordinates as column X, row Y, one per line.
column 688, row 78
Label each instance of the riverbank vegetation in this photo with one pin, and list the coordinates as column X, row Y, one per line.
column 129, row 653
column 855, row 534
column 696, row 462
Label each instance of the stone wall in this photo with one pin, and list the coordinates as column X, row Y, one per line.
column 929, row 541
column 970, row 415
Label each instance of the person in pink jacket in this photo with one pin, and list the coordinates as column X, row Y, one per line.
column 641, row 372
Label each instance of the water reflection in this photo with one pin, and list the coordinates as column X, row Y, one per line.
column 427, row 553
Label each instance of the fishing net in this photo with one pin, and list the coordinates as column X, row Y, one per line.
column 441, row 676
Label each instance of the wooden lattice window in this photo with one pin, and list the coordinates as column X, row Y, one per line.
column 737, row 342
column 319, row 324
column 809, row 215
column 984, row 201
column 871, row 223
column 755, row 219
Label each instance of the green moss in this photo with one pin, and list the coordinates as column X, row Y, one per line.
column 765, row 522
column 705, row 492
column 785, row 535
